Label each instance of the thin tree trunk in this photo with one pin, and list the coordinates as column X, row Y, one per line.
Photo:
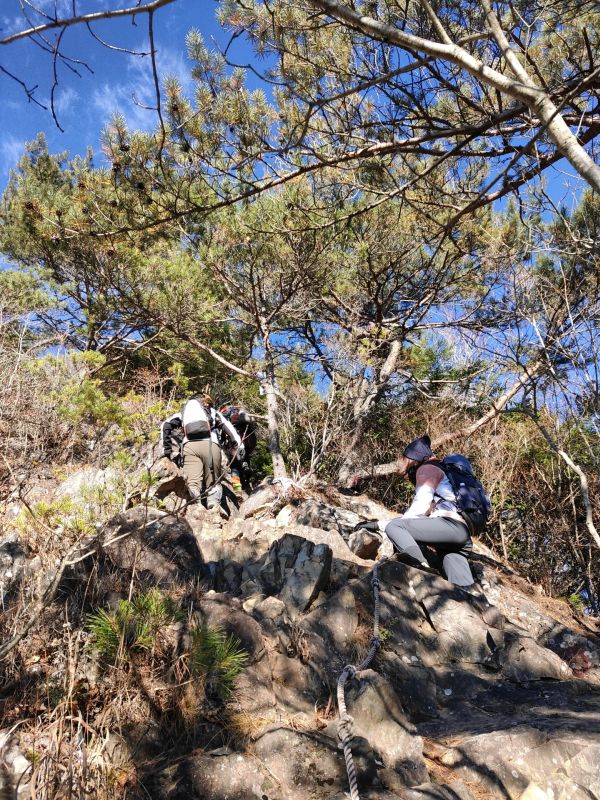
column 393, row 467
column 362, row 406
column 583, row 481
column 271, row 396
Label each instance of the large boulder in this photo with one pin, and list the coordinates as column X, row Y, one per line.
column 81, row 484
column 263, row 500
column 379, row 718
column 161, row 545
column 299, row 687
column 315, row 513
column 525, row 660
column 15, row 767
column 309, row 575
column 218, row 775
column 364, row 544
column 560, row 761
column 253, row 702
column 285, row 765
column 311, row 764
column 540, row 737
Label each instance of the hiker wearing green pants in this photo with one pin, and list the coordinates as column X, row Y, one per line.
column 203, row 463
column 202, row 467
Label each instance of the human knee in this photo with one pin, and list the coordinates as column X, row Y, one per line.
column 398, row 533
column 457, row 569
column 394, row 526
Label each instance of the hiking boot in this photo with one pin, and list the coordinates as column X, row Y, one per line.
column 236, row 485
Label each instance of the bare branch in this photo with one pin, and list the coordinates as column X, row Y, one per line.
column 68, row 22
column 534, row 97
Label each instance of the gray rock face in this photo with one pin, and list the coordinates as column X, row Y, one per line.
column 224, row 774
column 513, row 712
column 437, row 791
column 318, row 514
column 364, row 544
column 13, row 561
column 335, row 622
column 297, row 686
column 311, row 764
column 379, row 718
column 559, row 762
column 308, row 576
column 161, row 545
column 14, row 767
column 512, row 738
column 80, row 483
column 261, row 501
column 524, row 660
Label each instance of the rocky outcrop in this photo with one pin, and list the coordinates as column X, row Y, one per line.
column 456, row 703
column 14, row 767
column 160, row 545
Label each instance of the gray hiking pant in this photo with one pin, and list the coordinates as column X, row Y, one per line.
column 449, row 538
column 202, row 476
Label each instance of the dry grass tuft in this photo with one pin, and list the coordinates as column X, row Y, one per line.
column 245, row 726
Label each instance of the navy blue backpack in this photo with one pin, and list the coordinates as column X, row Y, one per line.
column 471, row 499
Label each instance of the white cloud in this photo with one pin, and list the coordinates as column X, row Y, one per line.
column 10, row 25
column 11, row 150
column 60, row 8
column 136, row 95
column 65, row 100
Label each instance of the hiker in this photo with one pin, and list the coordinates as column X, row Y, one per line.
column 245, row 427
column 202, row 461
column 432, row 518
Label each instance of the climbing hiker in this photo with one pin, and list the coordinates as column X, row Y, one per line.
column 433, row 517
column 245, row 427
column 202, row 460
column 449, row 505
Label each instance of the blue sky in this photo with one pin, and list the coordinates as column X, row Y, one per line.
column 84, row 104
column 120, row 81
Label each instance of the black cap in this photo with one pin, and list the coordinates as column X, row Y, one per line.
column 419, row 450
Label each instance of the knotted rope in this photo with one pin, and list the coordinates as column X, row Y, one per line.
column 345, row 733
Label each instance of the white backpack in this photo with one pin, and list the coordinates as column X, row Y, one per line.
column 196, row 420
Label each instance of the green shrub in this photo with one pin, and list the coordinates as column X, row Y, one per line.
column 576, row 600
column 133, row 626
column 83, row 401
column 217, row 657
column 119, row 631
column 46, row 525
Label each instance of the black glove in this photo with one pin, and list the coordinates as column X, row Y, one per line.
column 369, row 525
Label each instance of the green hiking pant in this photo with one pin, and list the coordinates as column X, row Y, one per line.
column 202, row 477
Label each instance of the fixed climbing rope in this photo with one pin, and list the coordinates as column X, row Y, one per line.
column 345, row 733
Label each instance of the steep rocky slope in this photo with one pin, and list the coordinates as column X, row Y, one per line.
column 449, row 708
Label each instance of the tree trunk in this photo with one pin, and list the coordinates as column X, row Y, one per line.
column 393, row 467
column 583, row 481
column 272, row 397
column 368, row 394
